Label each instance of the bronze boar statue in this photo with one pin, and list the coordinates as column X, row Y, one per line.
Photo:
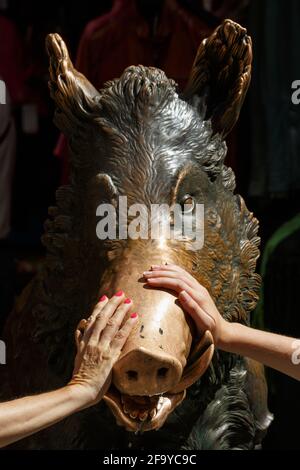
column 138, row 137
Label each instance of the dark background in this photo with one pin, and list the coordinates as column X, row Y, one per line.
column 264, row 149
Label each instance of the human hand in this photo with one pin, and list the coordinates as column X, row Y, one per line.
column 194, row 298
column 99, row 341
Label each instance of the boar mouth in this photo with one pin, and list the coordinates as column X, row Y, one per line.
column 142, row 413
column 145, row 413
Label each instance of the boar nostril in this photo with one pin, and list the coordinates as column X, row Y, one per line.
column 132, row 375
column 162, row 372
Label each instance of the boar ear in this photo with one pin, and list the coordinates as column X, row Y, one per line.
column 74, row 96
column 221, row 74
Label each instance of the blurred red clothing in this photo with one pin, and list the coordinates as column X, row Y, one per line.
column 123, row 37
column 7, row 163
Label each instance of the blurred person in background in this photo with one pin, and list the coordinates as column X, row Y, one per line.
column 7, row 161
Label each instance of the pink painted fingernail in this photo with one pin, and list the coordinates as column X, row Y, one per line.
column 127, row 301
column 133, row 315
column 102, row 298
column 119, row 293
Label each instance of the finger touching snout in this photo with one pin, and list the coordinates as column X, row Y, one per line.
column 114, row 323
column 122, row 335
column 172, row 283
column 91, row 320
column 104, row 315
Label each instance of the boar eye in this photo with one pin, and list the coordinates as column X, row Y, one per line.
column 187, row 204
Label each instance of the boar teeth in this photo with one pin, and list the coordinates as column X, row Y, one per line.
column 152, row 413
column 143, row 416
column 160, row 403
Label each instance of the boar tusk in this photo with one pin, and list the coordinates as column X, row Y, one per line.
column 197, row 364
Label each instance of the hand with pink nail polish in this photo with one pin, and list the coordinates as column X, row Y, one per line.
column 268, row 348
column 194, row 298
column 99, row 341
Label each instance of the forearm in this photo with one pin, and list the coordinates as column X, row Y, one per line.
column 25, row 416
column 276, row 351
